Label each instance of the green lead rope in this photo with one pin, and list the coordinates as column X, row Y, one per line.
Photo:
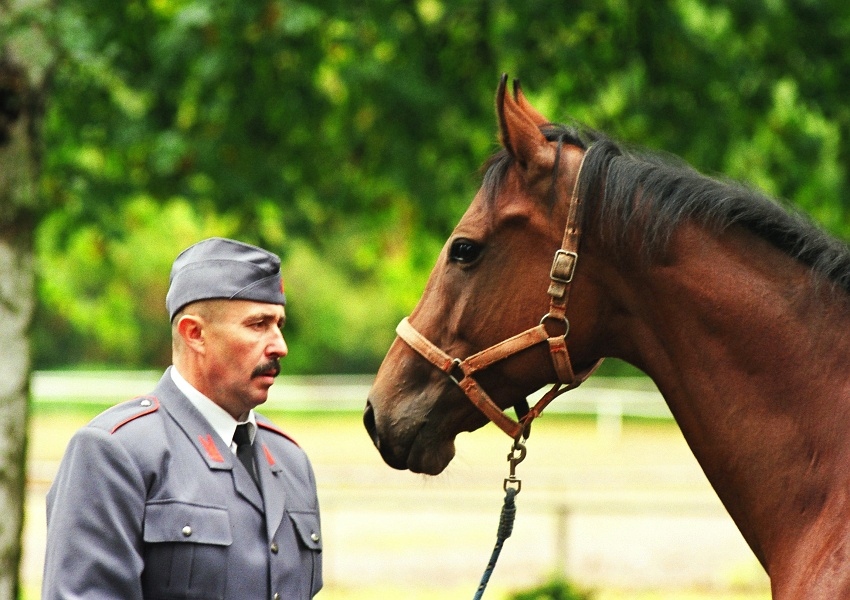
column 506, row 527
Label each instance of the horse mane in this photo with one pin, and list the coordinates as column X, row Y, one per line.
column 635, row 192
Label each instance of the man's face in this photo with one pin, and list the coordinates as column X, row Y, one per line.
column 244, row 347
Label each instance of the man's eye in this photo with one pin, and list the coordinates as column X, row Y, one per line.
column 465, row 251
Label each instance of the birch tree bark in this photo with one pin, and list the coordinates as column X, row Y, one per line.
column 24, row 53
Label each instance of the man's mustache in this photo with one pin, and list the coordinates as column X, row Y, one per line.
column 270, row 368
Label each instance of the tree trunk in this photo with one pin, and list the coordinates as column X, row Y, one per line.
column 16, row 301
column 24, row 60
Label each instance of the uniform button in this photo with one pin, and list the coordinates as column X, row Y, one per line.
column 276, row 597
column 145, row 403
column 314, row 536
column 274, row 548
column 187, row 531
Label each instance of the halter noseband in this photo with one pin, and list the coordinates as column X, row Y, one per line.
column 461, row 371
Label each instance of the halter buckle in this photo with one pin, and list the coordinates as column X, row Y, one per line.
column 563, row 266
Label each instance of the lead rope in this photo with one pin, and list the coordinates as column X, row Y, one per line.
column 512, row 487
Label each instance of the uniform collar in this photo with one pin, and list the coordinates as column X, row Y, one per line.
column 222, row 423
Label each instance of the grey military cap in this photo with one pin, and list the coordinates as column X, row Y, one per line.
column 223, row 268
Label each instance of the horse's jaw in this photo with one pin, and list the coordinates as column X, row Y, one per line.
column 430, row 457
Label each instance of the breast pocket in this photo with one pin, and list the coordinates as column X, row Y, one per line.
column 309, row 535
column 186, row 548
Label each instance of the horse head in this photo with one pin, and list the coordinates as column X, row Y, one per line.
column 489, row 285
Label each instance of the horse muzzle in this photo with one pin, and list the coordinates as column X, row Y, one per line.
column 413, row 444
column 369, row 422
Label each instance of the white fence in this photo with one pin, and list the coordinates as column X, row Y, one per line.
column 609, row 399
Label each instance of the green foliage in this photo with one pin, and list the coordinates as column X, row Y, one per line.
column 346, row 136
column 556, row 589
column 103, row 292
column 346, row 323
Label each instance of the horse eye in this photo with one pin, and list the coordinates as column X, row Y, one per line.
column 464, row 251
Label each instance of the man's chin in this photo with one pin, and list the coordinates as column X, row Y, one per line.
column 261, row 386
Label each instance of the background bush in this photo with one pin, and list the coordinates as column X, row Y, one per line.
column 346, row 136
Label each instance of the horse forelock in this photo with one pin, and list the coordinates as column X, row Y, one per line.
column 635, row 194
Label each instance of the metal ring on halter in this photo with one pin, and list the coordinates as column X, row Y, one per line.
column 455, row 365
column 566, row 321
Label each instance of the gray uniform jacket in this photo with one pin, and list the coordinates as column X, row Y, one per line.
column 150, row 503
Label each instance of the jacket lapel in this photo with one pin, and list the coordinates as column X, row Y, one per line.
column 271, row 481
column 245, row 486
column 209, row 445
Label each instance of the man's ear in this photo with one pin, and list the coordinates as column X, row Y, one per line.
column 191, row 329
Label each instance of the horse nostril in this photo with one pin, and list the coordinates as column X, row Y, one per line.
column 369, row 423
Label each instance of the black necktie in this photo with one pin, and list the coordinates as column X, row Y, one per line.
column 242, row 437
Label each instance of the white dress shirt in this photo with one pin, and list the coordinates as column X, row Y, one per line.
column 221, row 421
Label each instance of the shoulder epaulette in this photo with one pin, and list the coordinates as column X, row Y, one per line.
column 277, row 430
column 135, row 409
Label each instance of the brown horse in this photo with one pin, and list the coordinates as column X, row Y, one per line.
column 737, row 308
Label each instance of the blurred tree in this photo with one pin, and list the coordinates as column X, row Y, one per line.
column 225, row 108
column 118, row 285
column 353, row 132
column 25, row 58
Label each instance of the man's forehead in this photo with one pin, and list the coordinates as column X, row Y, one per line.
column 242, row 309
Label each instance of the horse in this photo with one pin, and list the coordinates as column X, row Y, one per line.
column 736, row 306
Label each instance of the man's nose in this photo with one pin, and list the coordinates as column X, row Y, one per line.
column 278, row 346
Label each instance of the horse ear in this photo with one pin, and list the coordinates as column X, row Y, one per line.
column 526, row 107
column 519, row 130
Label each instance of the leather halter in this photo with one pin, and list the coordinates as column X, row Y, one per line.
column 461, row 371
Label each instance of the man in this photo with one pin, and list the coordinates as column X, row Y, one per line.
column 153, row 499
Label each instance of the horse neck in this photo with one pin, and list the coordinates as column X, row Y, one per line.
column 750, row 357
